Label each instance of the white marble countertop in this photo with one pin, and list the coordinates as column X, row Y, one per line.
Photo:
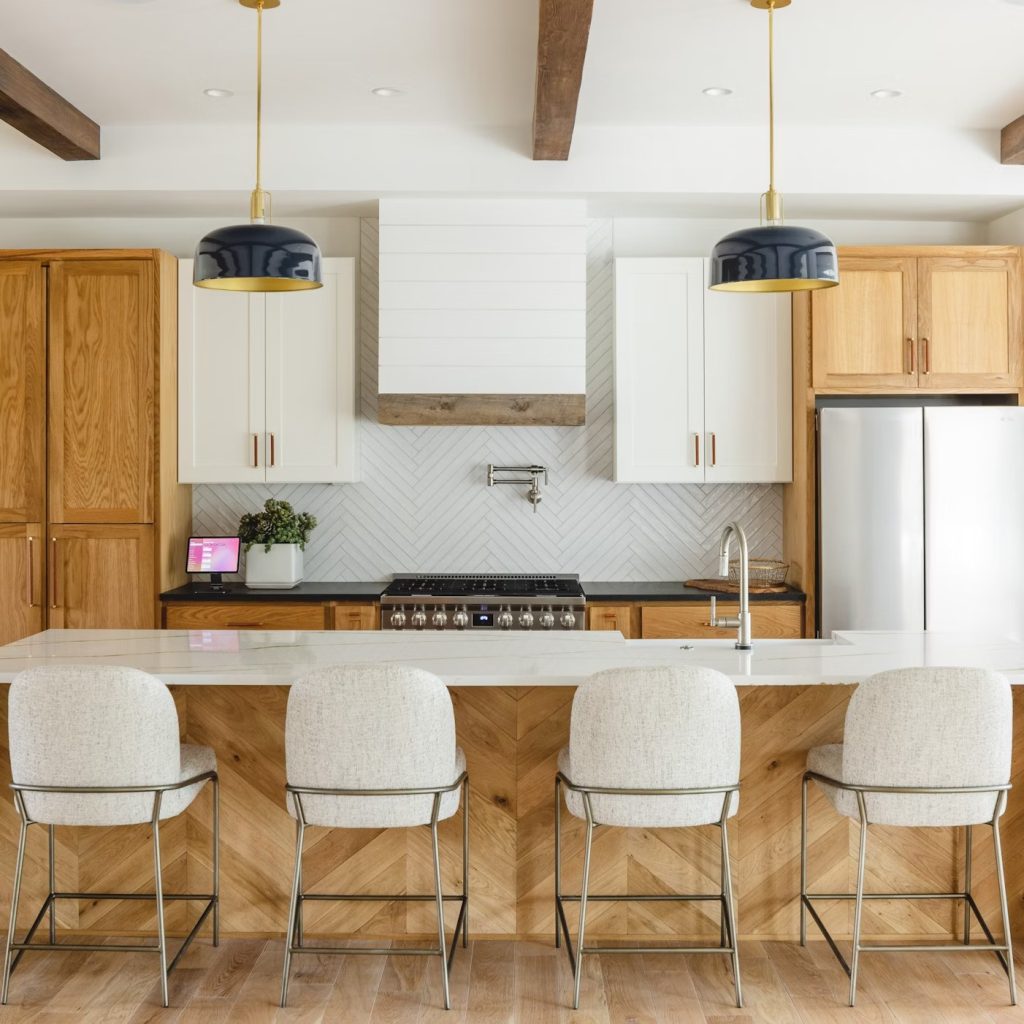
column 255, row 657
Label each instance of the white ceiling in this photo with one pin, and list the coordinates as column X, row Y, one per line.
column 471, row 62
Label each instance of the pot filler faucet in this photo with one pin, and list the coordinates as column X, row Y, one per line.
column 740, row 622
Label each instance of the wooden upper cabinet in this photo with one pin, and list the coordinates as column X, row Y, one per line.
column 864, row 332
column 969, row 320
column 22, row 390
column 101, row 577
column 102, row 390
column 22, row 601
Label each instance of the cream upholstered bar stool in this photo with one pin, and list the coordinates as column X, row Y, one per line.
column 374, row 747
column 922, row 747
column 98, row 745
column 650, row 748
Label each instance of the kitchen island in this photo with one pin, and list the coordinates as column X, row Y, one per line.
column 512, row 695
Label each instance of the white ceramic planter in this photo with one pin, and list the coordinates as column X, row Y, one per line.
column 280, row 568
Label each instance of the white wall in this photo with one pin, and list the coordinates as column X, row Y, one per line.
column 1008, row 230
column 337, row 236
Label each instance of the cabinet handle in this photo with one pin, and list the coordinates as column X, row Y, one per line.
column 910, row 354
column 272, row 459
column 925, row 361
column 54, row 594
column 714, row 450
column 244, row 625
column 255, row 450
column 696, row 449
column 30, row 595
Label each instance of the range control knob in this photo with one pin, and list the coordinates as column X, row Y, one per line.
column 567, row 619
column 418, row 619
column 547, row 619
column 505, row 619
column 526, row 619
column 439, row 619
column 398, row 619
column 460, row 620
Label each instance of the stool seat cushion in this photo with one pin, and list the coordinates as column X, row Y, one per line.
column 923, row 728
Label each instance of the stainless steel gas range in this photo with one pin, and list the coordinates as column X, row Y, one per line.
column 468, row 602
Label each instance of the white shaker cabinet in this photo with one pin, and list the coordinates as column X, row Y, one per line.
column 267, row 382
column 702, row 379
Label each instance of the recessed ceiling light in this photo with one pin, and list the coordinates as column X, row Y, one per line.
column 386, row 90
column 885, row 94
column 218, row 94
column 716, row 90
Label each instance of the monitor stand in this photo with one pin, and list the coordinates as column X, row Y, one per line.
column 217, row 583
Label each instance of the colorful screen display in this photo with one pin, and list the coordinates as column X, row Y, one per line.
column 213, row 554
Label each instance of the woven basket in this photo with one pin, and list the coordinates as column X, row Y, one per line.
column 764, row 572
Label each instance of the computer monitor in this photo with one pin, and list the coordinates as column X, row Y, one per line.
column 214, row 555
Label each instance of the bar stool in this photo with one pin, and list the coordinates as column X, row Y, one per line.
column 650, row 748
column 374, row 747
column 922, row 747
column 98, row 745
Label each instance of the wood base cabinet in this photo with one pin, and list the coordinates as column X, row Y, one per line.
column 347, row 615
column 690, row 620
column 93, row 522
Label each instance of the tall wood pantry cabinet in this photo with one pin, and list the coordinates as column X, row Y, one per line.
column 93, row 522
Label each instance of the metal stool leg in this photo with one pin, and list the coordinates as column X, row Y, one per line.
column 968, row 851
column 859, row 904
column 583, row 903
column 558, row 860
column 215, row 858
column 731, row 911
column 439, row 897
column 292, row 904
column 465, row 863
column 160, row 929
column 18, row 871
column 1003, row 906
column 51, row 845
column 803, row 862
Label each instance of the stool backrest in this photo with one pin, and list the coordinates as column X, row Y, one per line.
column 656, row 728
column 369, row 727
column 930, row 727
column 92, row 725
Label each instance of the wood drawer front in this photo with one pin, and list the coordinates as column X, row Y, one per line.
column 346, row 615
column 769, row 621
column 611, row 616
column 244, row 615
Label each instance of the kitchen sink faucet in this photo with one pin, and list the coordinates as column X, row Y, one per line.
column 740, row 622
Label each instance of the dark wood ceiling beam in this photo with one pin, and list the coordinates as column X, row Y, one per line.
column 1011, row 143
column 30, row 105
column 561, row 49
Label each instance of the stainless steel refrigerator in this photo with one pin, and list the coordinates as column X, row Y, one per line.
column 921, row 518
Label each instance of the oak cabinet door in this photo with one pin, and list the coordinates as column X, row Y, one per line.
column 21, row 580
column 864, row 332
column 101, row 577
column 691, row 621
column 244, row 615
column 22, row 390
column 356, row 616
column 102, row 391
column 611, row 617
column 969, row 317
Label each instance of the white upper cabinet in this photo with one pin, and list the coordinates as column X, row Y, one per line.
column 702, row 379
column 267, row 382
column 659, row 370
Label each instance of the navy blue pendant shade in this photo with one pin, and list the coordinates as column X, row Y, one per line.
column 774, row 258
column 257, row 258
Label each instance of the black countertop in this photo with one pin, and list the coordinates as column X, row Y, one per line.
column 329, row 591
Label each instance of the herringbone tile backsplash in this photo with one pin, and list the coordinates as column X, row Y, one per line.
column 423, row 504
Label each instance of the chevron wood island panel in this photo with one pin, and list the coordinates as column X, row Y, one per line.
column 511, row 737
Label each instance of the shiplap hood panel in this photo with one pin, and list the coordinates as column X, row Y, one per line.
column 483, row 311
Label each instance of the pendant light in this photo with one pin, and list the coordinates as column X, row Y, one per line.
column 773, row 257
column 258, row 256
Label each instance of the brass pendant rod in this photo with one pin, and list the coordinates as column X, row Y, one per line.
column 257, row 205
column 771, row 95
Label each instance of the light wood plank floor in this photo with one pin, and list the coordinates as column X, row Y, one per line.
column 509, row 983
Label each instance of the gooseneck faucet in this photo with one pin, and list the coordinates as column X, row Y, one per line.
column 742, row 620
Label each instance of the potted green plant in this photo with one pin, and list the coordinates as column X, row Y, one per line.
column 274, row 540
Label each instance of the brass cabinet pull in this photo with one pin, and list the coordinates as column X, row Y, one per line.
column 255, row 450
column 244, row 625
column 910, row 354
column 272, row 459
column 30, row 595
column 696, row 449
column 925, row 361
column 54, row 599
column 714, row 449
